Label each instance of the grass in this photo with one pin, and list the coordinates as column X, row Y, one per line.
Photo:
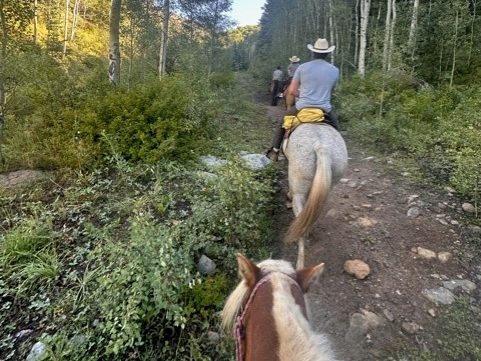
column 457, row 334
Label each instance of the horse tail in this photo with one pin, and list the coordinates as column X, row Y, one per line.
column 318, row 193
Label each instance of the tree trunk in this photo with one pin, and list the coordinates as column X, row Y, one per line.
column 441, row 53
column 470, row 52
column 114, row 42
column 213, row 37
column 75, row 19
column 3, row 56
column 65, row 28
column 35, row 22
column 356, row 33
column 365, row 7
column 164, row 38
column 331, row 29
column 454, row 48
column 387, row 30
column 413, row 28
column 391, row 36
column 131, row 53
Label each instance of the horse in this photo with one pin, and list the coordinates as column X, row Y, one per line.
column 317, row 156
column 268, row 313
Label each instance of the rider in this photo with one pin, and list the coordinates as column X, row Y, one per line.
column 312, row 84
column 276, row 87
column 291, row 70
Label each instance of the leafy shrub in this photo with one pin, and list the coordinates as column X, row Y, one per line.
column 143, row 288
column 152, row 122
column 129, row 285
column 222, row 80
column 61, row 120
column 440, row 128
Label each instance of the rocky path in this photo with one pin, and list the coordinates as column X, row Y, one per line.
column 411, row 239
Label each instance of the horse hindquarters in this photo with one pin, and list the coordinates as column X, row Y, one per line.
column 308, row 213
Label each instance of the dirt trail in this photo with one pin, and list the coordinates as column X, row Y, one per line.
column 367, row 219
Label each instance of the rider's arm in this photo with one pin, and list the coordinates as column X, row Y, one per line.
column 294, row 88
column 292, row 92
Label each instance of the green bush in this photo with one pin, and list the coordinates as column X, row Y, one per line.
column 129, row 283
column 152, row 122
column 440, row 128
column 222, row 80
column 58, row 120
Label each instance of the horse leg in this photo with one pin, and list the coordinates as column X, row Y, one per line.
column 298, row 201
column 300, row 254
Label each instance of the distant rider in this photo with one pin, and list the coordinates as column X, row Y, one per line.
column 276, row 87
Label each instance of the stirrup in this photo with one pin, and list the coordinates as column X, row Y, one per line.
column 272, row 154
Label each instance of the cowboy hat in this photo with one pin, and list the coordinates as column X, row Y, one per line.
column 294, row 59
column 321, row 46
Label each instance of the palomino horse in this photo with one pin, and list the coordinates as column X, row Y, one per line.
column 317, row 158
column 268, row 312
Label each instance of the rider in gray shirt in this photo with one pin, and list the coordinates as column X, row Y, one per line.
column 317, row 79
column 312, row 84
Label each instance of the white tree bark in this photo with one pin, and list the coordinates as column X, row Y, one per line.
column 391, row 35
column 356, row 33
column 74, row 19
column 331, row 29
column 454, row 49
column 470, row 52
column 3, row 56
column 365, row 8
column 65, row 27
column 114, row 42
column 35, row 22
column 387, row 30
column 413, row 28
column 164, row 38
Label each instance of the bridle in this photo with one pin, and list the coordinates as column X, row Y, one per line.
column 239, row 326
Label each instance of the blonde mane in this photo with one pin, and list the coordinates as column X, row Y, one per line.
column 240, row 294
column 297, row 339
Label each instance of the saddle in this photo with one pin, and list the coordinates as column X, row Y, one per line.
column 305, row 115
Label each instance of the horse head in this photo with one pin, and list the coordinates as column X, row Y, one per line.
column 267, row 311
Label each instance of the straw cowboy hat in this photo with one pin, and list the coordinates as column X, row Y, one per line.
column 294, row 59
column 321, row 46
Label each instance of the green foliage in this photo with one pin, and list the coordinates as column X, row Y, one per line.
column 143, row 288
column 160, row 120
column 440, row 128
column 222, row 80
column 28, row 257
column 64, row 123
column 126, row 281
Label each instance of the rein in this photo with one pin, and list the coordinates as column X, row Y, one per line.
column 239, row 326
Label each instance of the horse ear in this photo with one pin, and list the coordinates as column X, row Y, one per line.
column 248, row 270
column 307, row 276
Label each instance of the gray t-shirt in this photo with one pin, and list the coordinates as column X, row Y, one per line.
column 291, row 69
column 317, row 79
column 277, row 74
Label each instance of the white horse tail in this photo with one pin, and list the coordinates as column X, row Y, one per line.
column 318, row 193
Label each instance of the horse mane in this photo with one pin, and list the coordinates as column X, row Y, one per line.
column 239, row 296
column 297, row 340
column 233, row 305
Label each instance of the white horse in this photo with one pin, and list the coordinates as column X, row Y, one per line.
column 317, row 157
